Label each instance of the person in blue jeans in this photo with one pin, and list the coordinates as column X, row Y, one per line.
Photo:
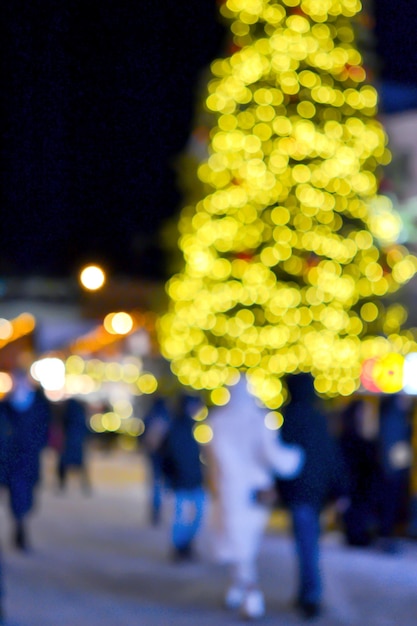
column 306, row 528
column 322, row 479
column 188, row 515
column 183, row 473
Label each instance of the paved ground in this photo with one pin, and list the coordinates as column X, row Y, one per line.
column 96, row 562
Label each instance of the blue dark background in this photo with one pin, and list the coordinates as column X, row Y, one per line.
column 97, row 100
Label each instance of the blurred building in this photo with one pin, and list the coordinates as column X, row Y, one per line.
column 97, row 346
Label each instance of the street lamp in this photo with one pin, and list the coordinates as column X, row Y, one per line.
column 118, row 323
column 92, row 277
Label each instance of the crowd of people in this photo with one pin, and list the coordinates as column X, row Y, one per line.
column 358, row 463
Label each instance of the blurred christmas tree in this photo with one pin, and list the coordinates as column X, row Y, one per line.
column 290, row 249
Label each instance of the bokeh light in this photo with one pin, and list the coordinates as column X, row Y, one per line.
column 118, row 323
column 50, row 373
column 273, row 420
column 291, row 250
column 6, row 383
column 203, row 434
column 6, row 329
column 92, row 277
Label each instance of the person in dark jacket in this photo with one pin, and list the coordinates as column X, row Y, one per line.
column 358, row 442
column 25, row 416
column 321, row 480
column 157, row 423
column 182, row 469
column 68, row 434
column 395, row 456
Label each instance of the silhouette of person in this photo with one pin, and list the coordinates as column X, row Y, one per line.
column 243, row 458
column 395, row 458
column 25, row 416
column 157, row 423
column 358, row 443
column 68, row 435
column 322, row 478
column 183, row 472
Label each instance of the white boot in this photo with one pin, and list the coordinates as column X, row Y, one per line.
column 234, row 597
column 253, row 605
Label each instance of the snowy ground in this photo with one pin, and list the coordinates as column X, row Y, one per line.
column 96, row 562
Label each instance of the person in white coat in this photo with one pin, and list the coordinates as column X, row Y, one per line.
column 243, row 458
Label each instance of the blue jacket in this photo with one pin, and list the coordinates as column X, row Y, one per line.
column 75, row 433
column 181, row 455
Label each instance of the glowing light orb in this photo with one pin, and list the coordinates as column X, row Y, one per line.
column 203, row 433
column 92, row 277
column 50, row 372
column 118, row 323
column 388, row 373
column 367, row 375
column 6, row 329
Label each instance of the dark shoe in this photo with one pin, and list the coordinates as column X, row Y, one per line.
column 184, row 553
column 309, row 610
column 20, row 537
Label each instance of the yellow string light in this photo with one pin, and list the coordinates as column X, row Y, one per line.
column 292, row 244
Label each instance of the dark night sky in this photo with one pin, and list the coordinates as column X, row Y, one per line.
column 97, row 99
